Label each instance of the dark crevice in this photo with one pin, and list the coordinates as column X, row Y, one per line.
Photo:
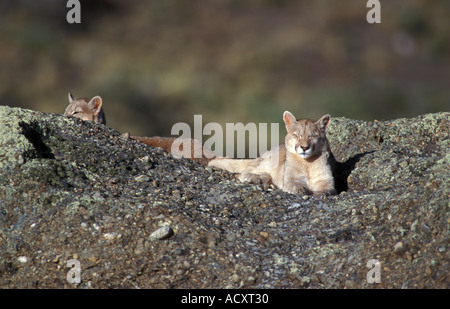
column 344, row 169
column 33, row 133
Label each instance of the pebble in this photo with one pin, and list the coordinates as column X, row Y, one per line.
column 400, row 248
column 273, row 224
column 161, row 233
column 110, row 236
column 22, row 259
column 146, row 159
column 125, row 136
column 235, row 278
column 403, row 164
column 142, row 178
column 140, row 247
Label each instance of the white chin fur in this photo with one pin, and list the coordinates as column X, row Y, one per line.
column 304, row 155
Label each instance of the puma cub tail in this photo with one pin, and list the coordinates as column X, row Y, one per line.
column 302, row 165
column 86, row 109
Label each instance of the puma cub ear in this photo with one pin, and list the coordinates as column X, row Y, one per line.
column 288, row 118
column 96, row 103
column 324, row 121
column 71, row 98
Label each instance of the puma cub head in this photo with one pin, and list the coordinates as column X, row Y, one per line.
column 306, row 137
column 86, row 109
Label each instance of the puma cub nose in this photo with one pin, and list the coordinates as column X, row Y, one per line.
column 304, row 148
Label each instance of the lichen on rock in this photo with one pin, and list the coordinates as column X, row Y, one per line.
column 76, row 190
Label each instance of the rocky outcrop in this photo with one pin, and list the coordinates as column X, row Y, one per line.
column 135, row 217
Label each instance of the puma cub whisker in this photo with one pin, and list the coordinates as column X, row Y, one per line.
column 302, row 165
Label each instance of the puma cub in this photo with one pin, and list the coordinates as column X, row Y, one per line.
column 86, row 109
column 303, row 165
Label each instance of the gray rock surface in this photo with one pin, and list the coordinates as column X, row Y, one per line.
column 75, row 190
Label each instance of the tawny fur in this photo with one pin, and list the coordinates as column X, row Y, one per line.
column 303, row 165
column 167, row 143
column 85, row 109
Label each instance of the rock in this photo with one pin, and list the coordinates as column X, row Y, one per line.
column 400, row 248
column 161, row 233
column 142, row 178
column 75, row 190
column 22, row 259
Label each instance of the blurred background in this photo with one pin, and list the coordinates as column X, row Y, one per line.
column 159, row 62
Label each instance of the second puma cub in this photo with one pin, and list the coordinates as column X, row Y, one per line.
column 303, row 165
column 86, row 109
